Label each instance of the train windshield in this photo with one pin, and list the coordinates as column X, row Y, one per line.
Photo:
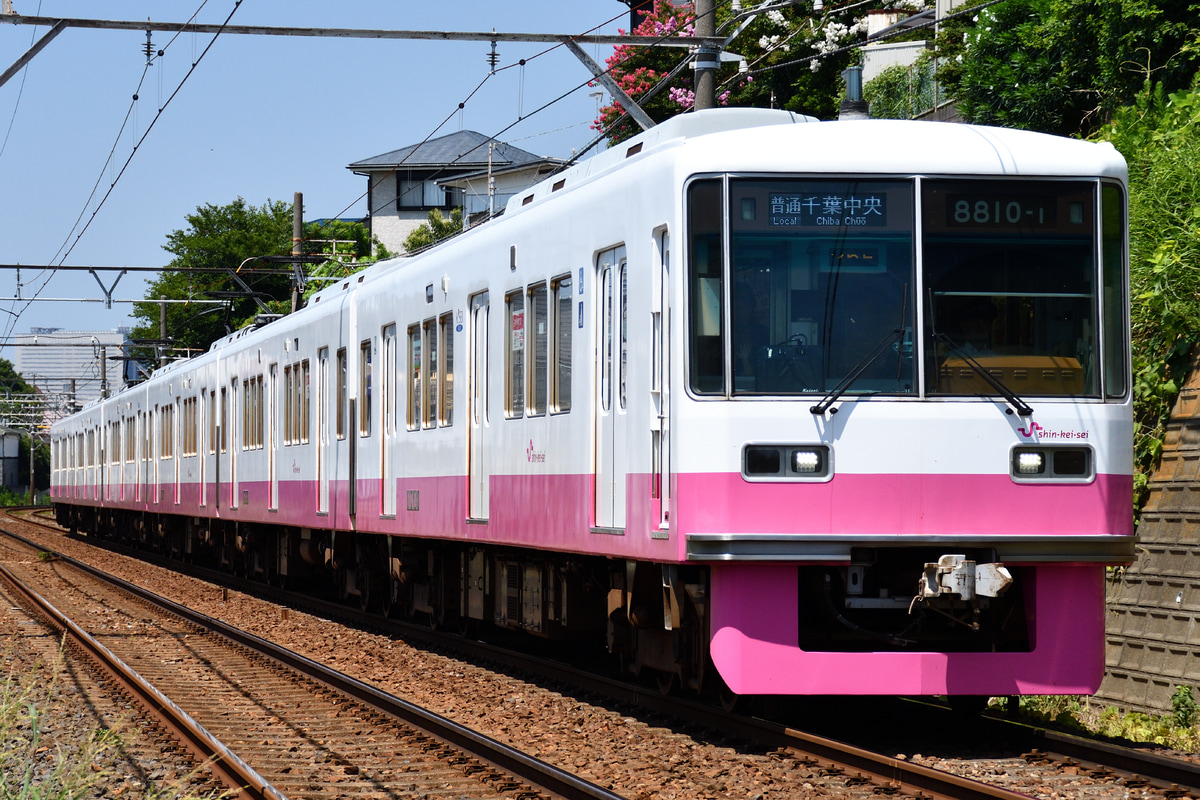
column 1010, row 283
column 821, row 281
column 820, row 292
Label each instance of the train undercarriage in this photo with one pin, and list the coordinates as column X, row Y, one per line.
column 652, row 618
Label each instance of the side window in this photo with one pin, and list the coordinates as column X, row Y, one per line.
column 560, row 376
column 413, row 415
column 364, row 388
column 431, row 373
column 514, row 374
column 446, row 404
column 624, row 333
column 288, row 391
column 167, row 432
column 539, row 358
column 212, row 425
column 387, row 383
column 1113, row 249
column 341, row 393
column 705, row 288
column 303, row 397
column 247, row 415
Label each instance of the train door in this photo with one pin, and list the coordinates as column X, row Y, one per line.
column 272, row 406
column 477, row 386
column 322, row 430
column 388, row 419
column 176, row 423
column 660, row 424
column 143, row 477
column 233, row 442
column 203, row 411
column 611, row 416
column 222, row 446
column 155, row 420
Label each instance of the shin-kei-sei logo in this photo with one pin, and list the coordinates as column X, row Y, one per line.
column 533, row 456
column 1035, row 431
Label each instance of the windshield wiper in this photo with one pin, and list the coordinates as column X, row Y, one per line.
column 1023, row 409
column 859, row 368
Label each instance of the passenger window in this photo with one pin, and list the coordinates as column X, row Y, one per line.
column 560, row 377
column 414, row 377
column 447, row 383
column 364, row 388
column 539, row 328
column 341, row 393
column 431, row 373
column 514, row 375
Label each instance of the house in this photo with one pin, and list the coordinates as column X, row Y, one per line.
column 449, row 172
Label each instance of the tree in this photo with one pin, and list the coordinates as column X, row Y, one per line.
column 221, row 237
column 226, row 238
column 13, row 383
column 350, row 248
column 794, row 61
column 437, row 228
column 1158, row 137
column 1065, row 66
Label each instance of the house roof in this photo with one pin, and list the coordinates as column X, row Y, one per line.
column 465, row 150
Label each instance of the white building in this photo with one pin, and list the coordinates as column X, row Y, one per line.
column 59, row 361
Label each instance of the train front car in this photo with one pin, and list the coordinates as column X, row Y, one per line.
column 905, row 450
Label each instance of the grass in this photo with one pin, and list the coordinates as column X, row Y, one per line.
column 36, row 766
column 1178, row 730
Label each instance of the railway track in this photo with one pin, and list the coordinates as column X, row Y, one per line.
column 1048, row 754
column 269, row 723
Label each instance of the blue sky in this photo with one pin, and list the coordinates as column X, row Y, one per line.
column 260, row 118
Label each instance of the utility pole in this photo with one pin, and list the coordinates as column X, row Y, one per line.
column 297, row 246
column 162, row 331
column 707, row 57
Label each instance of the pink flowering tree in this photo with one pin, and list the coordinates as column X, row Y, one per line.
column 794, row 58
column 637, row 70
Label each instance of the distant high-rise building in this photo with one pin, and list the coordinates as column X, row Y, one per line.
column 59, row 361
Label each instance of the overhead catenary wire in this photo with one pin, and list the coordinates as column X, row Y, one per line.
column 63, row 255
column 20, row 91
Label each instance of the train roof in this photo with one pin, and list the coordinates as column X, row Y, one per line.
column 764, row 140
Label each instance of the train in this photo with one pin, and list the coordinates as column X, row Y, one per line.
column 754, row 401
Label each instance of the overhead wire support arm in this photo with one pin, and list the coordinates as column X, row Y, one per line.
column 628, row 103
column 108, row 301
column 363, row 33
column 55, row 29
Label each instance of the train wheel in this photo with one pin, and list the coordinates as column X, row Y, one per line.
column 390, row 600
column 365, row 584
column 665, row 681
column 968, row 704
column 728, row 699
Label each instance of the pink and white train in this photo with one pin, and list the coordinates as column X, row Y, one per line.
column 801, row 407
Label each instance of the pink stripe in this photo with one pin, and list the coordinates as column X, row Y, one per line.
column 904, row 504
column 755, row 613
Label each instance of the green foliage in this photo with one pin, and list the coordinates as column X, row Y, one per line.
column 1074, row 713
column 1157, row 136
column 902, row 92
column 1066, row 66
column 437, row 228
column 1184, row 707
column 34, row 766
column 1011, row 71
column 226, row 238
column 221, row 237
column 778, row 46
